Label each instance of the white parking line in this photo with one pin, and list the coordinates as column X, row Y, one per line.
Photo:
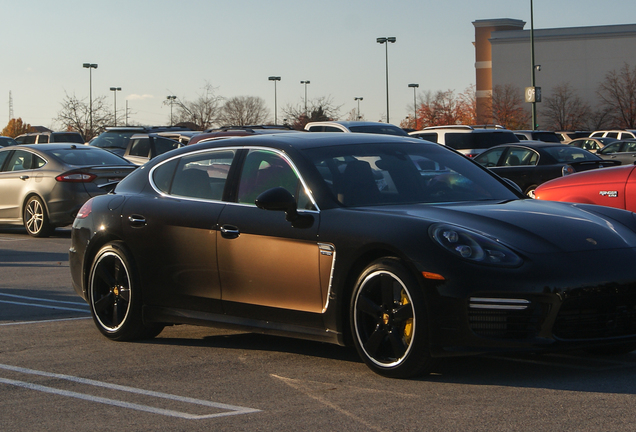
column 42, row 300
column 230, row 409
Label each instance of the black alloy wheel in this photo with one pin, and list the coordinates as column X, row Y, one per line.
column 114, row 296
column 389, row 320
column 35, row 218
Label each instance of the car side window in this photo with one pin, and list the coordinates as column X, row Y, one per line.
column 140, row 147
column 201, row 175
column 630, row 147
column 3, row 157
column 612, row 148
column 43, row 139
column 490, row 158
column 163, row 145
column 263, row 170
column 518, row 157
column 20, row 161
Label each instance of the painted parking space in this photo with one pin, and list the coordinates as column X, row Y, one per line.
column 214, row 409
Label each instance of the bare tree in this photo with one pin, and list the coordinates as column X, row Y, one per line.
column 320, row 109
column 203, row 112
column 564, row 110
column 507, row 107
column 243, row 111
column 618, row 93
column 75, row 115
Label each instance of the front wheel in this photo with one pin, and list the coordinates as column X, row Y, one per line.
column 35, row 218
column 530, row 191
column 389, row 320
column 115, row 297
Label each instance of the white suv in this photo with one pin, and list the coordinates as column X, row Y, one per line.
column 618, row 134
column 469, row 140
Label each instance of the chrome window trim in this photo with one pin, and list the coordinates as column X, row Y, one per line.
column 235, row 148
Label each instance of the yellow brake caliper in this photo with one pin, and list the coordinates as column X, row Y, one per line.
column 408, row 326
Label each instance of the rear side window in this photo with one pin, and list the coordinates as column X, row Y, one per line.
column 163, row 145
column 140, row 147
column 43, row 139
column 66, row 137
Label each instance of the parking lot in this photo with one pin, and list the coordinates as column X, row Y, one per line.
column 58, row 373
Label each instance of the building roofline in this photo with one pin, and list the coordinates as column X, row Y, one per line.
column 497, row 22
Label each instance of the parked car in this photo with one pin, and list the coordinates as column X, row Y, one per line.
column 143, row 147
column 50, row 137
column 6, row 141
column 531, row 163
column 612, row 187
column 44, row 185
column 355, row 127
column 537, row 135
column 469, row 140
column 402, row 247
column 234, row 131
column 615, row 133
column 566, row 136
column 623, row 151
column 591, row 144
column 115, row 139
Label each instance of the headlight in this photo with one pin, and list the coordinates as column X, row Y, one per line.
column 473, row 246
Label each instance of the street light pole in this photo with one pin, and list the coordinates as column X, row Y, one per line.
column 414, row 86
column 171, row 101
column 305, row 82
column 386, row 40
column 90, row 67
column 275, row 78
column 115, row 90
column 534, row 102
column 358, row 99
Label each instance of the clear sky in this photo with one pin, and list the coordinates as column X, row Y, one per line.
column 155, row 48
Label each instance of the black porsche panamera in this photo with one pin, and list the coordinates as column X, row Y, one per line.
column 404, row 248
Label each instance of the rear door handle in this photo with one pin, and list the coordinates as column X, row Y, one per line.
column 24, row 177
column 230, row 232
column 137, row 220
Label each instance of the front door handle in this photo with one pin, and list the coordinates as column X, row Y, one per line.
column 230, row 232
column 24, row 177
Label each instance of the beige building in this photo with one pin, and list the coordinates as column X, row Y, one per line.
column 580, row 56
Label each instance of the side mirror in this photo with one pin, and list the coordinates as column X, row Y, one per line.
column 279, row 199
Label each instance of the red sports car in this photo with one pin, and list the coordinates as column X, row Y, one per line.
column 612, row 187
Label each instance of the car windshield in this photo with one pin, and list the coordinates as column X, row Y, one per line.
column 479, row 140
column 401, row 173
column 85, row 156
column 569, row 154
column 113, row 139
column 68, row 137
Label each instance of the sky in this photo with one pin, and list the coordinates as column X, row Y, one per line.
column 155, row 48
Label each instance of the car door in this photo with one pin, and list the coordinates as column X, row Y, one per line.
column 15, row 179
column 622, row 151
column 174, row 232
column 264, row 261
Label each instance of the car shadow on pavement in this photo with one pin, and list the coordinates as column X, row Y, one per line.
column 63, row 232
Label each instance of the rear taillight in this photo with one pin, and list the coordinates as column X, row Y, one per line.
column 568, row 169
column 85, row 210
column 76, row 177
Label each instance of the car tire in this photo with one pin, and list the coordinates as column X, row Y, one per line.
column 389, row 320
column 114, row 295
column 35, row 218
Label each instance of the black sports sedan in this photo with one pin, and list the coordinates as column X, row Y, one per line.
column 531, row 163
column 401, row 247
column 44, row 185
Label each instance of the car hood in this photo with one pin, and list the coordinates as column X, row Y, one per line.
column 535, row 226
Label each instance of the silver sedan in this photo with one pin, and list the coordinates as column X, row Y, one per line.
column 43, row 186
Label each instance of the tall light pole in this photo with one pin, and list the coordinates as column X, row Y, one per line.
column 305, row 82
column 115, row 90
column 90, row 67
column 534, row 101
column 386, row 40
column 358, row 99
column 171, row 101
column 414, row 86
column 275, row 78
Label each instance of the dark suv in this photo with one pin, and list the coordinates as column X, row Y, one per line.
column 50, row 137
column 115, row 139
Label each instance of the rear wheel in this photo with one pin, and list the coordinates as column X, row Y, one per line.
column 389, row 320
column 35, row 218
column 530, row 191
column 115, row 296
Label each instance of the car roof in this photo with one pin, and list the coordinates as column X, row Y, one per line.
column 54, row 146
column 530, row 144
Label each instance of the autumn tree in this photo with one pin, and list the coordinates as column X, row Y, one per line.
column 618, row 94
column 507, row 109
column 203, row 112
column 243, row 111
column 564, row 110
column 445, row 108
column 320, row 109
column 16, row 127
